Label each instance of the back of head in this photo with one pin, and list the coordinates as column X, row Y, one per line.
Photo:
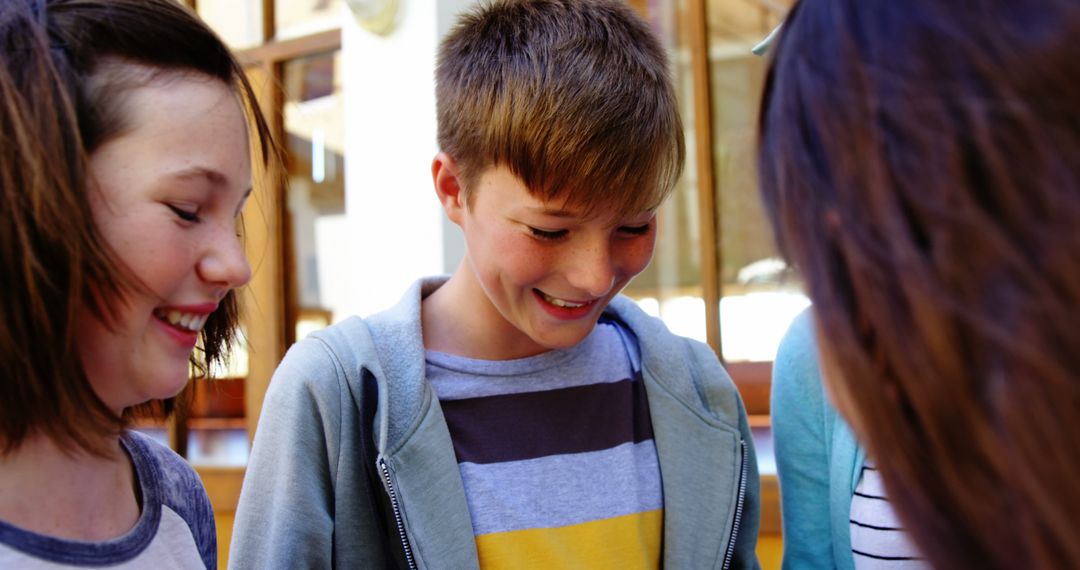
column 573, row 96
column 65, row 69
column 920, row 162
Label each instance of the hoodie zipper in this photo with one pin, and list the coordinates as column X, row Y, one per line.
column 397, row 513
column 738, row 511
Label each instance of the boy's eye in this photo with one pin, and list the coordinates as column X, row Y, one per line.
column 636, row 230
column 545, row 234
column 186, row 215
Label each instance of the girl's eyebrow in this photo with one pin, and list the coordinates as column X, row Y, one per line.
column 215, row 178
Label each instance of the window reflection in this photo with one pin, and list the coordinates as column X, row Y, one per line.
column 238, row 22
column 295, row 18
column 670, row 287
column 315, row 140
column 760, row 294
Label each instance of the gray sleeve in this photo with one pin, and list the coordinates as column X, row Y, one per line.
column 285, row 517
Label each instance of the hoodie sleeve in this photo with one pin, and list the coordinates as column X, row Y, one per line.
column 285, row 516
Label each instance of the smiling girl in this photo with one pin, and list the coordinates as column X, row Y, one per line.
column 124, row 167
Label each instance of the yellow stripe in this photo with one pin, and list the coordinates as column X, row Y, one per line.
column 623, row 543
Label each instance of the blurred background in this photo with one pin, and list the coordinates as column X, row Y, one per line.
column 348, row 86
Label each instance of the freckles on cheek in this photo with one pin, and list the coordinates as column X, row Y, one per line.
column 518, row 259
column 524, row 258
column 638, row 256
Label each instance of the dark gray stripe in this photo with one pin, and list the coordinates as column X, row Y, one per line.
column 580, row 419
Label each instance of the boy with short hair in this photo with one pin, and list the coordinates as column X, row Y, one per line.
column 519, row 413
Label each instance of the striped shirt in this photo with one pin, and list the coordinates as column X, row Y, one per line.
column 878, row 541
column 556, row 454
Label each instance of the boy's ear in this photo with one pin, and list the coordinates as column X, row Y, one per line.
column 444, row 173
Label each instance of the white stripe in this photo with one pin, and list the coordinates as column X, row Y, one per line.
column 561, row 490
column 875, row 541
column 871, row 483
column 600, row 358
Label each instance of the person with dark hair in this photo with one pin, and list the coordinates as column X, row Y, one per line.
column 124, row 165
column 519, row 413
column 920, row 165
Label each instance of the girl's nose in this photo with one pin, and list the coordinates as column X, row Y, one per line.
column 225, row 264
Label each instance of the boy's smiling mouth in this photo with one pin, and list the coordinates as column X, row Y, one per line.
column 561, row 302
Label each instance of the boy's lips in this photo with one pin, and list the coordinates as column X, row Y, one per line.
column 563, row 302
column 564, row 308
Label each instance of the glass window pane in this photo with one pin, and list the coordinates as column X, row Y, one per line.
column 238, row 22
column 315, row 141
column 295, row 18
column 670, row 287
column 760, row 293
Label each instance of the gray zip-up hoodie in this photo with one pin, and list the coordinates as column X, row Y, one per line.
column 325, row 490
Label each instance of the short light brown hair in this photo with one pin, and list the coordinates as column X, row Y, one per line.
column 61, row 98
column 573, row 96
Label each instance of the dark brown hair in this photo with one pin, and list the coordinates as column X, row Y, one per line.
column 573, row 96
column 920, row 164
column 60, row 99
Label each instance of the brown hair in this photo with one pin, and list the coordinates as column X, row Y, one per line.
column 60, row 99
column 573, row 96
column 920, row 163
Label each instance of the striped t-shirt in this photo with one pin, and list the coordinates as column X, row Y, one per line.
column 878, row 541
column 556, row 454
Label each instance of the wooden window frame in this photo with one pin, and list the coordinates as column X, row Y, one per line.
column 278, row 294
column 753, row 379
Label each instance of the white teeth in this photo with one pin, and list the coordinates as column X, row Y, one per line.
column 561, row 303
column 190, row 321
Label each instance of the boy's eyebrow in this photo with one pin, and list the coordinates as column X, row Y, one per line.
column 554, row 213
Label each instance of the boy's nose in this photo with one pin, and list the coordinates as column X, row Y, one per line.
column 591, row 271
column 224, row 264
